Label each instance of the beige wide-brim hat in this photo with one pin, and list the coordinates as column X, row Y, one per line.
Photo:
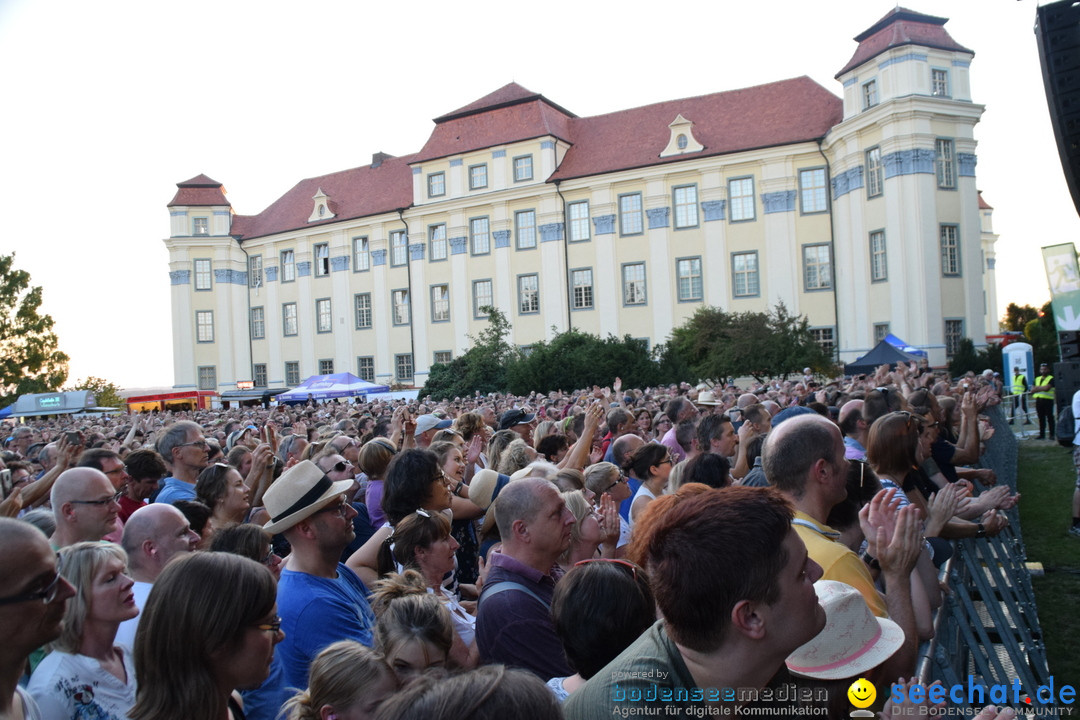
column 298, row 493
column 706, row 397
column 853, row 641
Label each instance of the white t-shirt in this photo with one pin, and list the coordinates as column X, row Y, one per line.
column 67, row 686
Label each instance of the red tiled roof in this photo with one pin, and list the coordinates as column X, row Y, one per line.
column 508, row 94
column 779, row 113
column 355, row 193
column 199, row 191
column 901, row 26
column 983, row 205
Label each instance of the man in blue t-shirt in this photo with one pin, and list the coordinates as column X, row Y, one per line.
column 320, row 600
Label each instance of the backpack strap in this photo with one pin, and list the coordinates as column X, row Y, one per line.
column 504, row 585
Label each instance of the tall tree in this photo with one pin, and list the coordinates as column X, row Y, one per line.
column 1018, row 316
column 30, row 361
column 106, row 394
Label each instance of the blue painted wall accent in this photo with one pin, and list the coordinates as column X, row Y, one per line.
column 961, row 63
column 339, row 263
column 498, row 153
column 180, row 277
column 604, row 224
column 847, row 181
column 909, row 162
column 551, row 232
column 303, row 269
column 416, row 251
column 714, row 209
column 223, row 276
column 658, row 217
column 502, row 238
column 850, row 81
column 777, row 202
column 223, row 213
column 271, row 274
column 990, row 263
column 458, row 162
column 175, row 213
column 920, row 57
column 459, row 245
column 231, row 277
column 966, row 163
column 417, row 170
column 378, row 257
column 547, row 145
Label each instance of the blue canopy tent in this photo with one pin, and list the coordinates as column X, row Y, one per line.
column 904, row 347
column 326, row 387
column 882, row 354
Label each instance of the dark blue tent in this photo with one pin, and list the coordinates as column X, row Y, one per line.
column 882, row 354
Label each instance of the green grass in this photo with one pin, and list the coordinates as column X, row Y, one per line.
column 1046, row 482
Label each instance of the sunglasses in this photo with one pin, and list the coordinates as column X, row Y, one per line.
column 340, row 467
column 622, row 479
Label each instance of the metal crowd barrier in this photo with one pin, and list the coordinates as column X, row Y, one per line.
column 987, row 631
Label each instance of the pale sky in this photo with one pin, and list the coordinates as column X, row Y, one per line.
column 107, row 105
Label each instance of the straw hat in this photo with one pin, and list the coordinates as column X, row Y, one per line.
column 298, row 493
column 706, row 397
column 853, row 641
column 485, row 487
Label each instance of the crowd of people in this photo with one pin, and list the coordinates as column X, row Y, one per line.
column 558, row 554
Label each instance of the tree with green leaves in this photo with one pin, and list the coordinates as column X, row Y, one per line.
column 30, row 361
column 576, row 359
column 482, row 368
column 1042, row 334
column 1018, row 316
column 106, row 394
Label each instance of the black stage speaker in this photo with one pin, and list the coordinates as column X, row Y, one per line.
column 1066, row 382
column 1057, row 27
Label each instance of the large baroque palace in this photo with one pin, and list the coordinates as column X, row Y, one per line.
column 860, row 212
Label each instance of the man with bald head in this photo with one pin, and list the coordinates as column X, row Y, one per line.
column 621, row 450
column 153, row 535
column 854, row 428
column 84, row 505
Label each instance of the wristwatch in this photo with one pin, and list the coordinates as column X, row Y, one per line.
column 980, row 532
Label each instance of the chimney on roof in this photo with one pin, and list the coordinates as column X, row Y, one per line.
column 377, row 158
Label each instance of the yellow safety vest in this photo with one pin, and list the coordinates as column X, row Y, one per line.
column 1045, row 394
column 1019, row 384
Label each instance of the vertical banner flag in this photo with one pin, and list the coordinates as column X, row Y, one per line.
column 1064, row 279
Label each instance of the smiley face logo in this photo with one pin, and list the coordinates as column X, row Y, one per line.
column 862, row 693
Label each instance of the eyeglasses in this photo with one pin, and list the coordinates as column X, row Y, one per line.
column 341, row 508
column 269, row 559
column 622, row 479
column 668, row 459
column 111, row 499
column 273, row 626
column 613, row 561
column 46, row 595
column 197, row 443
column 340, row 467
column 120, row 469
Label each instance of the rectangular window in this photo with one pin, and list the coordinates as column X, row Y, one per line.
column 403, row 368
column 946, row 167
column 874, row 176
column 879, row 269
column 579, row 220
column 741, row 199
column 825, row 338
column 950, row 250
column 633, row 284
column 259, row 371
column 583, row 289
column 402, row 311
column 324, row 321
column 869, row 95
column 880, row 331
column 203, row 275
column 288, row 319
column 686, row 207
column 437, row 240
column 812, row 196
column 939, row 83
column 326, row 367
column 204, row 326
column 365, row 368
column 443, row 356
column 201, row 226
column 361, row 257
column 362, row 303
column 440, row 303
column 322, row 260
column 292, row 373
column 481, row 293
column 207, row 377
column 817, row 270
column 479, row 236
column 258, row 323
column 954, row 333
column 255, row 277
column 477, row 177
column 399, row 248
column 528, row 294
column 288, row 266
column 436, row 184
column 523, row 169
column 688, row 280
column 744, row 273
column 631, row 221
column 525, row 229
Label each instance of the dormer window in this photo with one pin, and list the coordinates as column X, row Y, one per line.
column 869, row 95
column 682, row 138
column 201, row 226
column 321, row 210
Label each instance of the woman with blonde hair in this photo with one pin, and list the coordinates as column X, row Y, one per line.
column 86, row 675
column 414, row 631
column 591, row 532
column 347, row 681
